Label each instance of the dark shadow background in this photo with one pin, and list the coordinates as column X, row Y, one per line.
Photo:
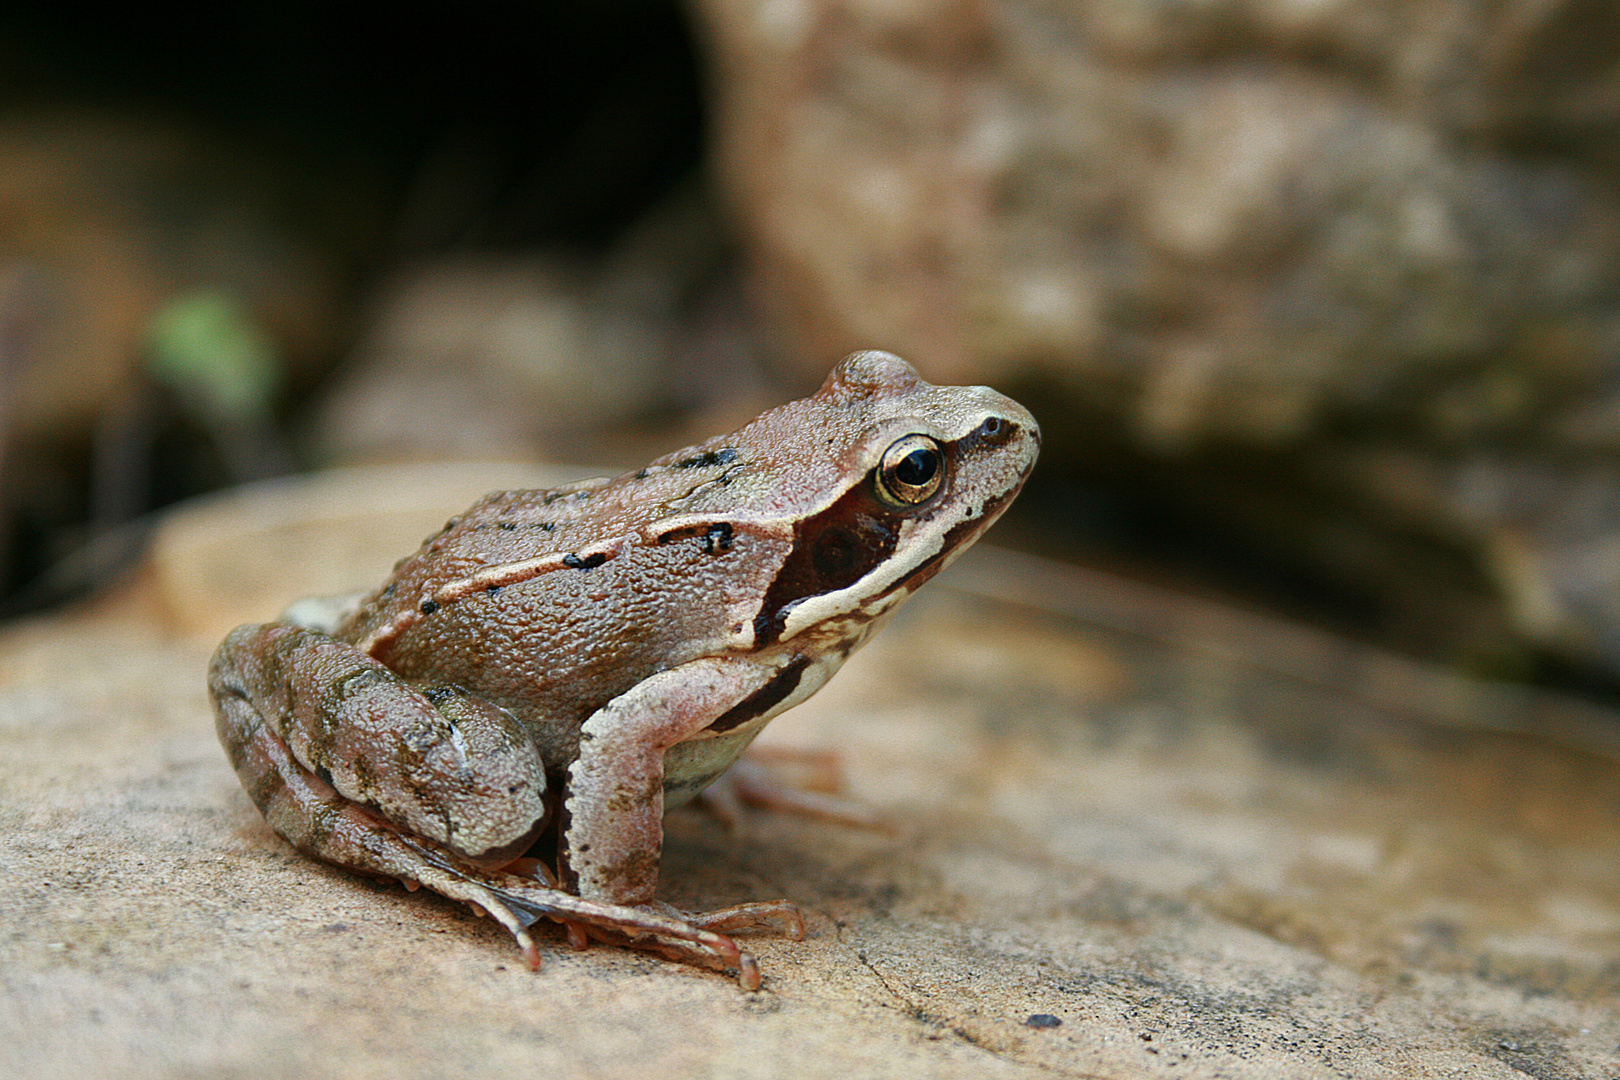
column 517, row 123
column 371, row 135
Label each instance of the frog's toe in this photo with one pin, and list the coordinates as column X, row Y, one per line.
column 654, row 928
column 755, row 780
column 781, row 915
column 697, row 947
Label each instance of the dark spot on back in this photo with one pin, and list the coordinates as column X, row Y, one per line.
column 716, row 537
column 723, row 456
column 831, row 551
column 589, row 562
column 717, row 540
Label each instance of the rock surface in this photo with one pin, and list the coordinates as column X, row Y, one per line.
column 1116, row 856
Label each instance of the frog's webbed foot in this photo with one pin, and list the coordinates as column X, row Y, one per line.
column 756, row 779
column 697, row 938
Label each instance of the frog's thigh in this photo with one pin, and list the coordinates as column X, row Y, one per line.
column 303, row 809
column 616, row 785
column 314, row 818
column 435, row 761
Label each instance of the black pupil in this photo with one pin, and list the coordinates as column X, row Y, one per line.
column 917, row 467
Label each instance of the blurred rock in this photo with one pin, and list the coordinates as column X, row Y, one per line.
column 474, row 357
column 491, row 354
column 1317, row 232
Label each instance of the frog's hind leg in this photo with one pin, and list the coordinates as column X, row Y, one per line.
column 312, row 816
column 352, row 764
column 434, row 761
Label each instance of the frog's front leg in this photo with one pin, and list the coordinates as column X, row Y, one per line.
column 615, row 802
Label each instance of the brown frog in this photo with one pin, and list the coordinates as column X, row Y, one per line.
column 556, row 668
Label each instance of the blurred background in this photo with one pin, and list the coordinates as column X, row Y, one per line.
column 1317, row 304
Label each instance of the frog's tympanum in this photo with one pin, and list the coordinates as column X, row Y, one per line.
column 551, row 672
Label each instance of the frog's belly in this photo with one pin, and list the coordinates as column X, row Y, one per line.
column 689, row 767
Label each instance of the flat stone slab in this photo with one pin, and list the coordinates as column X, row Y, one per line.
column 1113, row 856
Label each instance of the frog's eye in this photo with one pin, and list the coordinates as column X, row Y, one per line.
column 911, row 470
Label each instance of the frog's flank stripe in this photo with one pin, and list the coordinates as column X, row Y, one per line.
column 761, row 701
column 492, row 579
column 527, row 569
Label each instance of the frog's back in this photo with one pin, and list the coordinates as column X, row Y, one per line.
column 551, row 611
column 778, row 537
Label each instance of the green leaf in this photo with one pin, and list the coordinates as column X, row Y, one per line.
column 206, row 346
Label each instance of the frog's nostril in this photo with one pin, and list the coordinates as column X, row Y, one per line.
column 995, row 430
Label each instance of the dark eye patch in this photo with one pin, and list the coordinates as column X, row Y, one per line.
column 831, row 551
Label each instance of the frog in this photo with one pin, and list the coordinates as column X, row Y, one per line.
column 507, row 719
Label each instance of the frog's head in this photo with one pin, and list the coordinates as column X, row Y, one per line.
column 896, row 478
